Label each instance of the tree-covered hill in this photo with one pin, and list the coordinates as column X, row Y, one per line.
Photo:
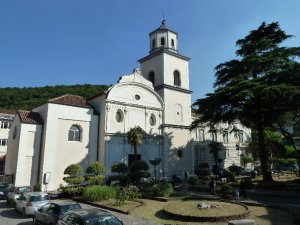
column 28, row 98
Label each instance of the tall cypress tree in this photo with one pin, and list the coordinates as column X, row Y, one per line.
column 257, row 88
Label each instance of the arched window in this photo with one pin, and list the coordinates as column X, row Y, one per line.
column 151, row 77
column 173, row 43
column 177, row 81
column 74, row 133
column 162, row 41
column 153, row 43
column 225, row 137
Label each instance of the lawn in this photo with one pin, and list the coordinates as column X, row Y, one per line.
column 151, row 210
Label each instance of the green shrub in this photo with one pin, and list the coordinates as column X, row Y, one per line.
column 229, row 175
column 123, row 179
column 96, row 173
column 236, row 170
column 193, row 180
column 139, row 170
column 98, row 193
column 72, row 190
column 123, row 194
column 119, row 168
column 37, row 187
column 162, row 189
column 75, row 174
column 210, row 177
column 225, row 189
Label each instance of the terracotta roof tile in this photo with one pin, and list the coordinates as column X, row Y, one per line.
column 71, row 100
column 30, row 117
column 8, row 111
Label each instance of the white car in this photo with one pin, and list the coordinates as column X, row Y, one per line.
column 30, row 202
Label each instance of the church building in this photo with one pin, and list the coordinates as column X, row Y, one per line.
column 70, row 129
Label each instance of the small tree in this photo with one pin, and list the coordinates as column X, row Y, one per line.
column 139, row 169
column 135, row 138
column 74, row 172
column 95, row 173
column 154, row 163
column 246, row 159
column 74, row 178
column 122, row 169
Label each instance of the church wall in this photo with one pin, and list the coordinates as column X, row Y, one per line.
column 176, row 140
column 172, row 63
column 154, row 64
column 29, row 145
column 23, row 155
column 58, row 151
column 13, row 148
column 177, row 108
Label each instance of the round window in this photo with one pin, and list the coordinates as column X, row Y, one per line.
column 152, row 120
column 137, row 97
column 119, row 116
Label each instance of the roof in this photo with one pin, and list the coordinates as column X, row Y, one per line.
column 70, row 100
column 8, row 111
column 30, row 117
column 90, row 213
column 163, row 26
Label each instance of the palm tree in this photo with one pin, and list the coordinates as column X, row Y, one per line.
column 135, row 137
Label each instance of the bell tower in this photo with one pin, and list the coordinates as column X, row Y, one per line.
column 169, row 73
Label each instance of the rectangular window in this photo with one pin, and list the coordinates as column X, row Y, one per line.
column 5, row 125
column 241, row 137
column 225, row 137
column 214, row 136
column 201, row 135
column 3, row 142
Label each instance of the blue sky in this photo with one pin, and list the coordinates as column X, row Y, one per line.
column 53, row 42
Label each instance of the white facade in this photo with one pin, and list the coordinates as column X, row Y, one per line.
column 6, row 118
column 70, row 129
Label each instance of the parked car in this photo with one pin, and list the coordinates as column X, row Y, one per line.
column 248, row 172
column 30, row 202
column 15, row 192
column 89, row 216
column 3, row 190
column 53, row 211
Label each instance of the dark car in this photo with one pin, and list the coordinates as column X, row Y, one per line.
column 89, row 217
column 53, row 211
column 3, row 190
column 15, row 192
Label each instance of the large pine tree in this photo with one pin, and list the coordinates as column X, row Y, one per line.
column 257, row 88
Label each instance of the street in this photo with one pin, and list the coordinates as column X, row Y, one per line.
column 9, row 216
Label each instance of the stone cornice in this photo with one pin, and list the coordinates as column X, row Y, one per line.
column 176, row 126
column 163, row 50
column 133, row 105
column 174, row 88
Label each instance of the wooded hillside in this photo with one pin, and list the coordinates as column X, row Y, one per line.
column 28, row 98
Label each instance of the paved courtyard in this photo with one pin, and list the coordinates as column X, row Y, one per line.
column 9, row 216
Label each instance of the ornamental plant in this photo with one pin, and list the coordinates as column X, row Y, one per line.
column 95, row 173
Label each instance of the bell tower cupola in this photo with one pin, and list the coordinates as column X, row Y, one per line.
column 163, row 38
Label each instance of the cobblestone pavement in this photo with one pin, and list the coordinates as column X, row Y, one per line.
column 9, row 216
